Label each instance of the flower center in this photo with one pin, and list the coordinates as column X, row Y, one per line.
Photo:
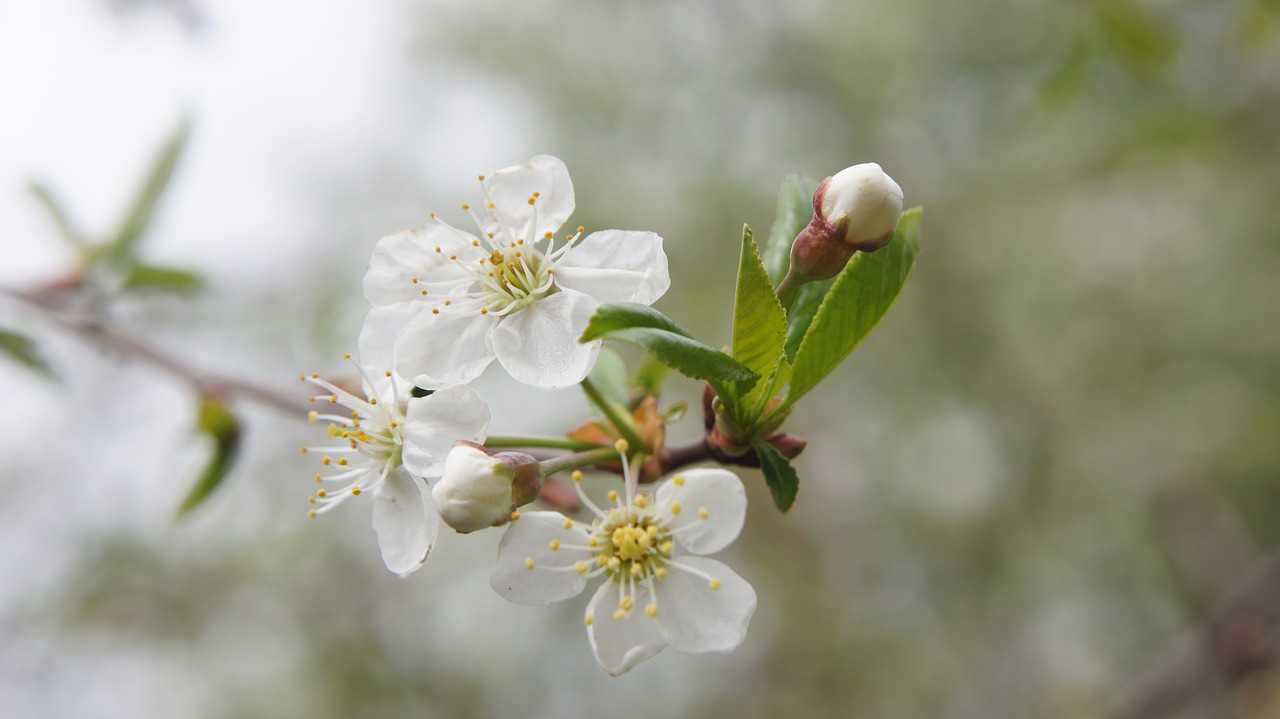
column 631, row 542
column 514, row 277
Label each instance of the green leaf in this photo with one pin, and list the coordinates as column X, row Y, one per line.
column 216, row 421
column 860, row 297
column 154, row 277
column 759, row 322
column 610, row 376
column 59, row 215
column 23, row 350
column 686, row 356
column 626, row 315
column 781, row 477
column 649, row 376
column 795, row 210
column 803, row 309
column 125, row 242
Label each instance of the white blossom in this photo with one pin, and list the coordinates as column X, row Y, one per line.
column 480, row 489
column 455, row 301
column 864, row 203
column 653, row 595
column 386, row 445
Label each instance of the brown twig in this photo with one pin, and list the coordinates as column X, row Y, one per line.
column 1233, row 645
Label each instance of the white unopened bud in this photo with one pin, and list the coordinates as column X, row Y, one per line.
column 863, row 203
column 480, row 489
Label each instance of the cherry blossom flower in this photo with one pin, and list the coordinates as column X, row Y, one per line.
column 455, row 301
column 653, row 596
column 386, row 446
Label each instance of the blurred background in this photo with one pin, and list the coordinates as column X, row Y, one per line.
column 1024, row 496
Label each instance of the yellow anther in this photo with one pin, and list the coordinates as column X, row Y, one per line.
column 437, row 250
column 414, row 280
column 618, row 615
column 302, row 378
column 702, row 512
column 660, row 573
column 614, row 563
column 326, row 461
column 312, row 500
column 587, row 620
column 311, row 513
column 636, row 569
column 475, row 243
column 676, row 508
column 568, row 524
column 554, row 545
column 322, row 494
column 453, row 257
column 581, row 229
column 613, row 495
column 651, row 610
column 333, row 399
column 642, row 501
column 594, row 542
column 577, row 473
column 514, row 515
column 480, row 177
column 432, row 215
column 528, row 562
column 424, row 293
column 537, row 194
column 435, row 311
column 315, row 376
column 318, row 477
column 549, row 235
column 387, row 373
column 626, row 604
column 346, row 356
column 342, row 462
column 530, row 200
column 355, row 491
column 667, row 546
column 602, row 561
column 621, row 446
column 304, row 449
column 678, row 480
column 484, row 310
column 465, row 206
column 580, row 567
column 714, row 584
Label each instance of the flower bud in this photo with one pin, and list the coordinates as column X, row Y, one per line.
column 855, row 210
column 480, row 489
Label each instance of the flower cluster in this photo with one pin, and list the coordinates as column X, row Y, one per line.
column 448, row 302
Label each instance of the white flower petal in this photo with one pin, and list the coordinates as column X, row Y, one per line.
column 402, row 256
column 433, row 423
column 539, row 346
column 552, row 578
column 510, row 188
column 620, row 644
column 378, row 335
column 616, row 266
column 717, row 491
column 696, row 618
column 444, row 350
column 405, row 521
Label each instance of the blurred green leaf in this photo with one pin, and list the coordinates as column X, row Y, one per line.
column 648, row 378
column 23, row 350
column 216, row 421
column 795, row 210
column 59, row 215
column 610, row 375
column 784, row 483
column 154, row 277
column 759, row 322
column 862, row 294
column 123, row 246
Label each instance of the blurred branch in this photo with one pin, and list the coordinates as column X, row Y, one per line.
column 1234, row 644
column 45, row 298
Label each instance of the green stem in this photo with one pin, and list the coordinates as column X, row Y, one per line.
column 573, row 445
column 789, row 290
column 579, row 459
column 616, row 416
